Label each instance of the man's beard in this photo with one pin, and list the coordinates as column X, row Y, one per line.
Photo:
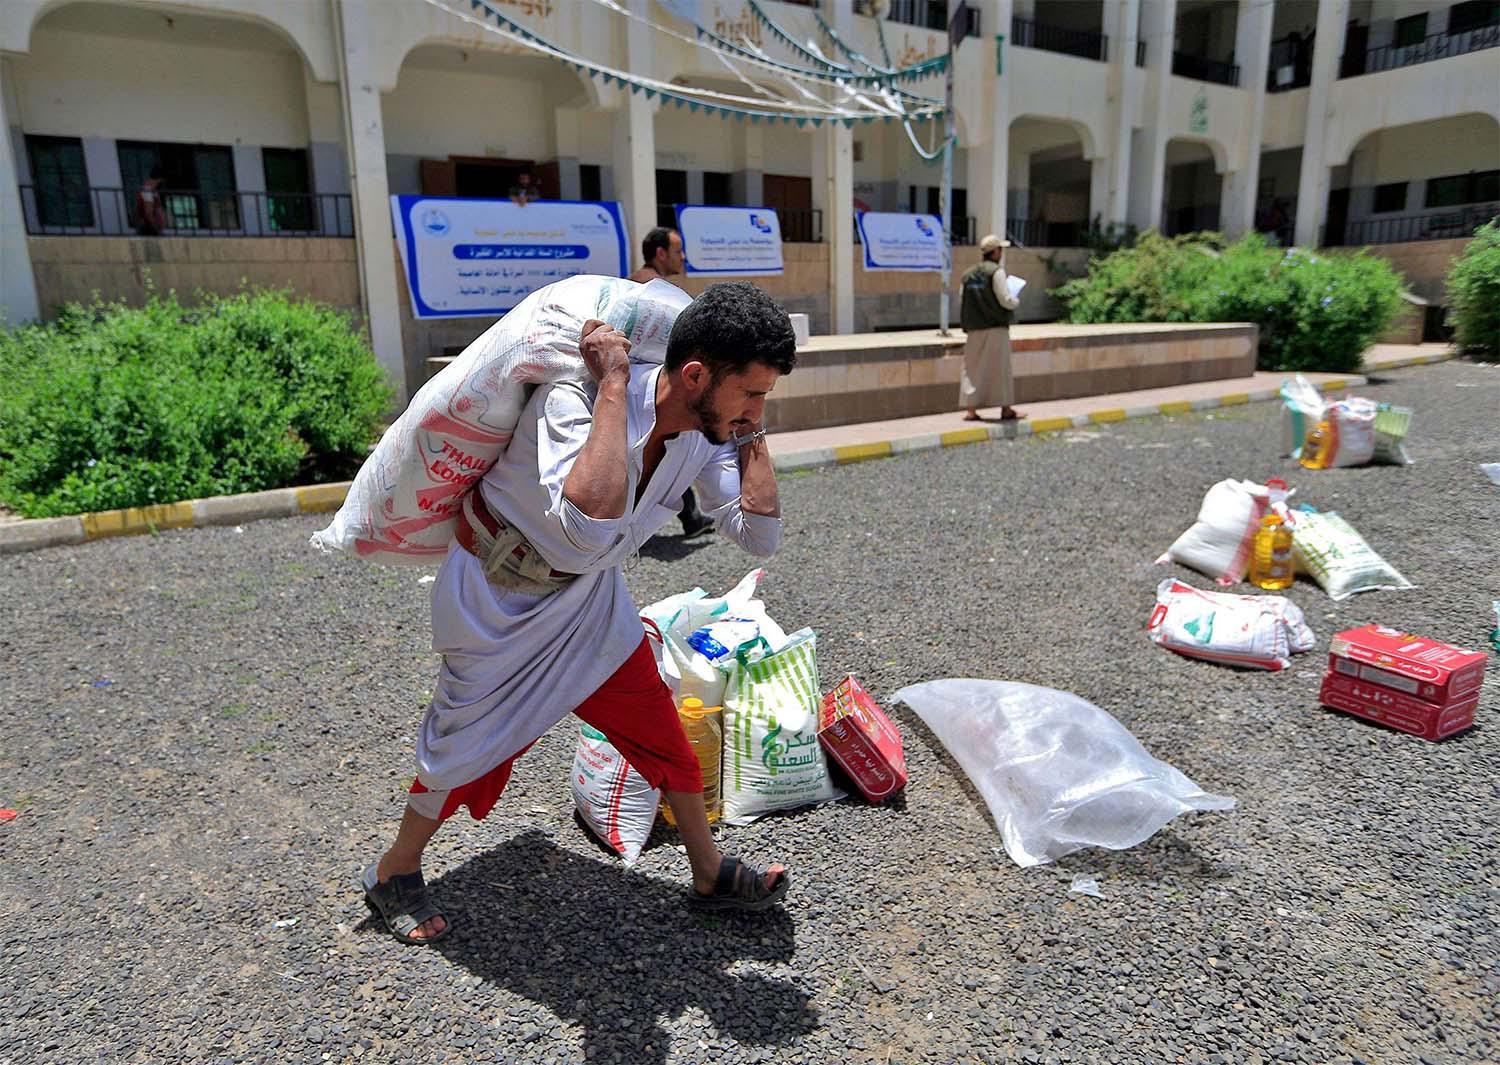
column 709, row 422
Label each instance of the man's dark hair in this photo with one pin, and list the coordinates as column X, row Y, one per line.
column 658, row 238
column 730, row 326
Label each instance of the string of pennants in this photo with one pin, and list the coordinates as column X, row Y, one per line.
column 609, row 76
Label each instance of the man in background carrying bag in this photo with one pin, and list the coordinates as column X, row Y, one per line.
column 985, row 316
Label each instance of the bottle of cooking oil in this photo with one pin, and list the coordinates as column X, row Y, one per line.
column 1315, row 447
column 1271, row 558
column 704, row 726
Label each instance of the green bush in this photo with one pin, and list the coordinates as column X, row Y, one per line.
column 112, row 406
column 1315, row 311
column 1474, row 294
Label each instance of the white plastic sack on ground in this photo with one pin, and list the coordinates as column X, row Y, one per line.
column 1327, row 547
column 1302, row 407
column 614, row 801
column 671, row 623
column 1218, row 544
column 1057, row 773
column 772, row 757
column 406, row 497
column 1353, row 423
column 1254, row 631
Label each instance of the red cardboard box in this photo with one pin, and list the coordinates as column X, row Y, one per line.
column 1396, row 709
column 857, row 734
column 1429, row 670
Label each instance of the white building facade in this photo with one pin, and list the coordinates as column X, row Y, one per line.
column 281, row 127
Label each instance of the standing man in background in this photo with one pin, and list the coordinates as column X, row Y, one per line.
column 985, row 316
column 661, row 255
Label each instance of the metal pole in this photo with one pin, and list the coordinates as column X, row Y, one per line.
column 954, row 8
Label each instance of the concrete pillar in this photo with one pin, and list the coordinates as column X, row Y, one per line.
column 746, row 181
column 635, row 165
column 565, row 146
column 356, row 26
column 988, row 170
column 1148, row 162
column 1122, row 22
column 1018, row 181
column 1252, row 50
column 18, row 299
column 833, row 195
column 635, row 136
column 1312, row 185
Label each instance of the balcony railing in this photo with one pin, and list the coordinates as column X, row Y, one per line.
column 932, row 15
column 59, row 210
column 1201, row 68
column 1437, row 46
column 1440, row 225
column 1290, row 66
column 1039, row 233
column 1083, row 43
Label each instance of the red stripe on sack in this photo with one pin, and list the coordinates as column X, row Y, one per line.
column 1241, row 560
column 612, row 811
column 436, row 421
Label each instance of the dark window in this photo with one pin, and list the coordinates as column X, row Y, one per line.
column 60, row 180
column 1463, row 188
column 1473, row 15
column 197, row 179
column 671, row 186
column 590, row 183
column 1390, row 197
column 288, row 189
column 716, row 189
column 1410, row 30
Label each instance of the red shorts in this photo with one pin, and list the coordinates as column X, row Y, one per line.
column 635, row 711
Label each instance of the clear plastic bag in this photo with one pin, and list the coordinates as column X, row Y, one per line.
column 1057, row 773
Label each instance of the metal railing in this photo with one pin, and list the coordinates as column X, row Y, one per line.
column 1437, row 225
column 1085, row 44
column 1040, row 233
column 1201, row 68
column 61, row 210
column 932, row 15
column 1290, row 65
column 1437, row 46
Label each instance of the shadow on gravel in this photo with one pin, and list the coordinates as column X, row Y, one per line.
column 614, row 952
column 674, row 548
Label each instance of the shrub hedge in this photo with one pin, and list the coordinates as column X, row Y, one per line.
column 1474, row 294
column 112, row 406
column 1315, row 311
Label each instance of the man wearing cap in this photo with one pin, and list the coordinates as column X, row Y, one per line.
column 985, row 316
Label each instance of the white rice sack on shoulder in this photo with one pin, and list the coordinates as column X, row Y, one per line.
column 613, row 800
column 1218, row 544
column 772, row 757
column 1327, row 547
column 405, row 500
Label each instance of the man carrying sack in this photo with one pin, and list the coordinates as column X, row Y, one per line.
column 530, row 610
column 990, row 298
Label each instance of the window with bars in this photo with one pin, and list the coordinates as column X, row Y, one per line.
column 197, row 181
column 289, row 201
column 61, row 181
column 1458, row 189
column 1472, row 15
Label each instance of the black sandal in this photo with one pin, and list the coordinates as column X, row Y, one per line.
column 403, row 905
column 741, row 886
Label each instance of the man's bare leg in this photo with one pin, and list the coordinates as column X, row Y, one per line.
column 405, row 856
column 703, row 854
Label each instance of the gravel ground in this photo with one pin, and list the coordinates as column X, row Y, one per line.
column 208, row 733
